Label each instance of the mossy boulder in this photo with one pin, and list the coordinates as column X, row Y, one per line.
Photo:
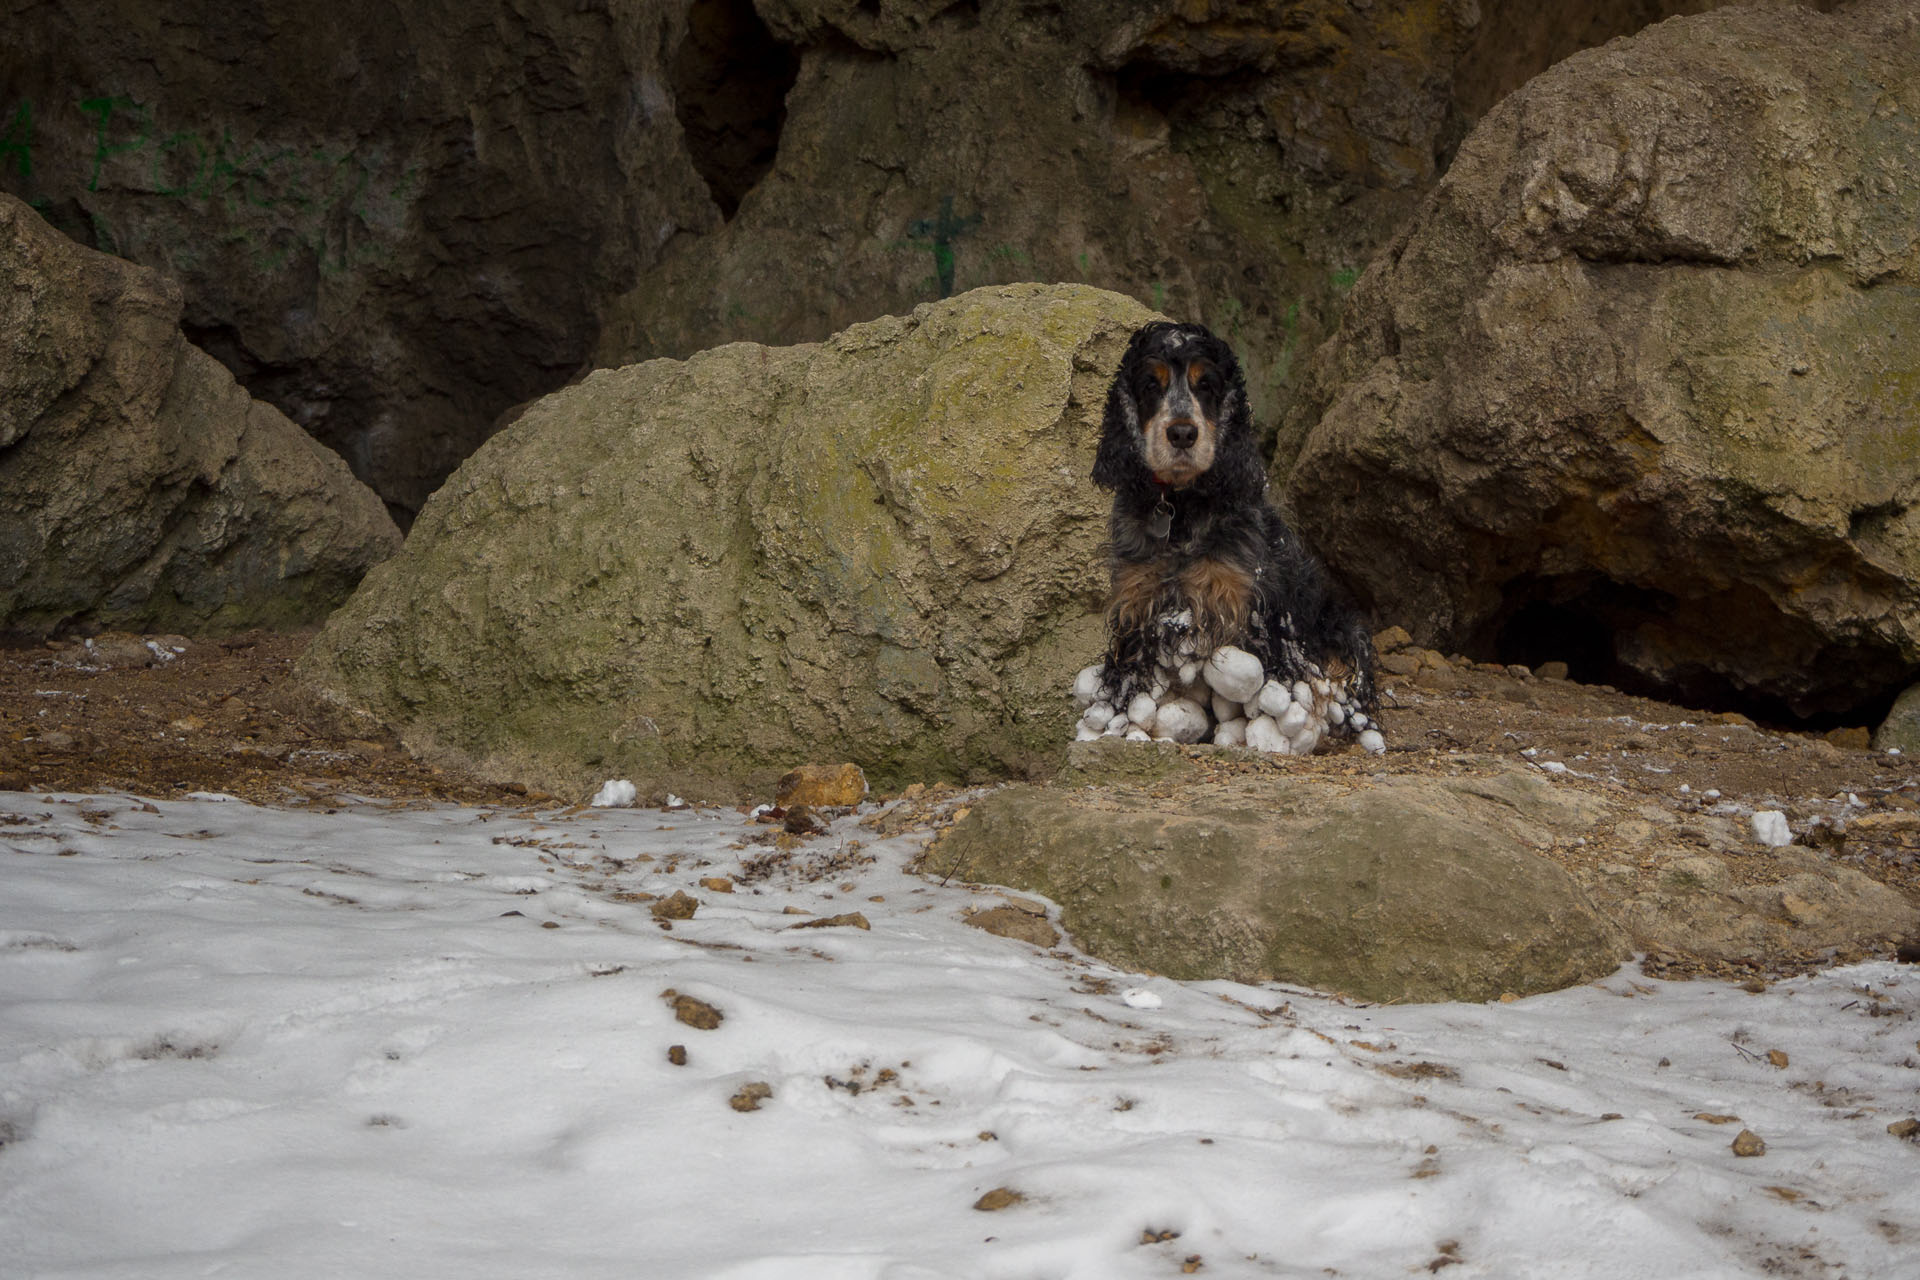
column 882, row 548
column 1411, row 889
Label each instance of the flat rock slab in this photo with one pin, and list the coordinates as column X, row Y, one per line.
column 1409, row 889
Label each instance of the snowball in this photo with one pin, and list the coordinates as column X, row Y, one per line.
column 1140, row 998
column 1225, row 709
column 1372, row 741
column 1189, row 672
column 1274, row 699
column 1086, row 687
column 1307, row 739
column 1084, row 734
column 1117, row 726
column 1293, row 719
column 615, row 793
column 1159, row 687
column 1097, row 716
column 1141, row 709
column 1359, row 719
column 1230, row 733
column 1770, row 828
column 1182, row 720
column 1303, row 692
column 1137, row 734
column 1233, row 673
column 1264, row 735
column 1337, row 712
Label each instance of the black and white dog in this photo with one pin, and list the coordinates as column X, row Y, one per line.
column 1200, row 558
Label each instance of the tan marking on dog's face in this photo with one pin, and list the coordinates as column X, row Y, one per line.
column 1161, row 373
column 1136, row 589
column 1220, row 593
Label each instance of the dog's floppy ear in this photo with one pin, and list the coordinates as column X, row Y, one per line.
column 1119, row 457
column 1118, row 461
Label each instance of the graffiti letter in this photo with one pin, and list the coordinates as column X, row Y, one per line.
column 105, row 107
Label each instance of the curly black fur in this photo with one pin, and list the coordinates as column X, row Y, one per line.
column 1297, row 615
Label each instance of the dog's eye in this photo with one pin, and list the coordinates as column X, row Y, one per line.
column 1199, row 375
column 1161, row 374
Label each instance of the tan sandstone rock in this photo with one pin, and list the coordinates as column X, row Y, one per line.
column 139, row 486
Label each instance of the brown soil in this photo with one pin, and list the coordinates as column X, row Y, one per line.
column 227, row 716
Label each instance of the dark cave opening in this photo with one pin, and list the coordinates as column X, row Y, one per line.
column 730, row 82
column 1579, row 620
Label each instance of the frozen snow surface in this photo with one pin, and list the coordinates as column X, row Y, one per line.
column 432, row 1043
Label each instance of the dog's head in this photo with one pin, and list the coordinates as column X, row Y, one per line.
column 1176, row 414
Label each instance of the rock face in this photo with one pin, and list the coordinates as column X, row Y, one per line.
column 392, row 222
column 1233, row 163
column 139, row 487
column 1637, row 383
column 883, row 549
column 1404, row 886
column 397, row 223
column 1406, row 890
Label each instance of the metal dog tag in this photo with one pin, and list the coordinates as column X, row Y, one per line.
column 1160, row 519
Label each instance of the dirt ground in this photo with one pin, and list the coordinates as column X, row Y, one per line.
column 130, row 714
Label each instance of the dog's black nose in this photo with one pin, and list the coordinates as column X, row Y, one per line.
column 1182, row 434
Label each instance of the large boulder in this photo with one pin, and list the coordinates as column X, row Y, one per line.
column 1636, row 386
column 1409, row 889
column 392, row 221
column 1414, row 884
column 883, row 549
column 139, row 487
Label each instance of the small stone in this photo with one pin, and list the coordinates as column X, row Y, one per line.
column 695, row 1013
column 750, row 1096
column 850, row 920
column 677, row 1054
column 998, row 1198
column 1011, row 922
column 1854, row 739
column 680, row 906
column 821, row 786
column 1748, row 1143
column 717, row 884
column 1778, row 1058
column 1712, row 1117
column 801, row 820
column 1551, row 671
column 1908, row 1129
column 1390, row 639
column 1399, row 664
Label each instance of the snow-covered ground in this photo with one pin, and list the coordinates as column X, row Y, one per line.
column 432, row 1043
